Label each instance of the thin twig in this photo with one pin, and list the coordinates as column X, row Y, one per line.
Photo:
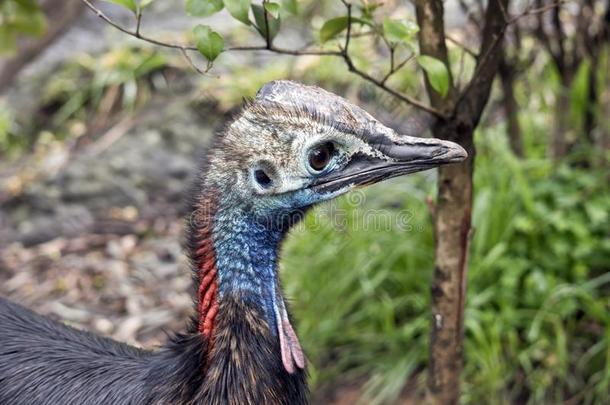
column 138, row 22
column 458, row 83
column 349, row 25
column 294, row 52
column 397, row 68
column 385, row 78
column 104, row 17
column 497, row 39
column 461, row 45
column 267, row 31
column 503, row 10
column 193, row 65
column 352, row 68
column 539, row 10
column 342, row 52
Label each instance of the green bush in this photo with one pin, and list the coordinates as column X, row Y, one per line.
column 538, row 310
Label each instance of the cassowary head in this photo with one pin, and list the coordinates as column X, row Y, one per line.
column 297, row 145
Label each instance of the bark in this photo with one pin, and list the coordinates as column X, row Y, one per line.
column 511, row 109
column 452, row 222
column 452, row 216
column 60, row 14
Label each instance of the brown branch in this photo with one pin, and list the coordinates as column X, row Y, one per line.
column 458, row 78
column 396, row 68
column 348, row 6
column 461, row 45
column 379, row 83
column 470, row 14
column 400, row 96
column 193, row 65
column 502, row 8
column 138, row 22
column 171, row 45
column 392, row 51
column 153, row 41
column 489, row 49
column 342, row 52
column 267, row 31
column 539, row 10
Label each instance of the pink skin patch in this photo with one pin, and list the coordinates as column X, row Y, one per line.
column 291, row 351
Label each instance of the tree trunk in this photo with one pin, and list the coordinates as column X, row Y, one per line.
column 510, row 106
column 452, row 216
column 452, row 230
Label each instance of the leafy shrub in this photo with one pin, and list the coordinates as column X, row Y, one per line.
column 538, row 310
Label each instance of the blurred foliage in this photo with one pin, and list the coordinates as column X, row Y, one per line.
column 89, row 90
column 360, row 20
column 538, row 310
column 19, row 17
column 122, row 76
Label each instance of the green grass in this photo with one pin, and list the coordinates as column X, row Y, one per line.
column 538, row 309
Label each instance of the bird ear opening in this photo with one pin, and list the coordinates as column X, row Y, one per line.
column 264, row 176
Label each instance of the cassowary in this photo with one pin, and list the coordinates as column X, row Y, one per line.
column 290, row 148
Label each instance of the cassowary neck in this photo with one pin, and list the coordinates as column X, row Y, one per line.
column 235, row 255
column 246, row 255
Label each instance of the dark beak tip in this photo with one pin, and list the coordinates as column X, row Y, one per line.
column 454, row 153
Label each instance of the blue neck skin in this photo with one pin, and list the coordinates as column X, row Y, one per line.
column 246, row 261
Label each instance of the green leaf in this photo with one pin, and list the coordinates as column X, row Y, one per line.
column 273, row 9
column 144, row 3
column 291, row 6
column 369, row 8
column 239, row 9
column 397, row 31
column 203, row 8
column 335, row 26
column 437, row 72
column 332, row 28
column 259, row 19
column 128, row 4
column 209, row 42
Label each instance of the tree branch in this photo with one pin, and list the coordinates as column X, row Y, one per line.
column 138, row 22
column 193, row 65
column 267, row 31
column 342, row 52
column 491, row 41
column 395, row 68
column 461, row 45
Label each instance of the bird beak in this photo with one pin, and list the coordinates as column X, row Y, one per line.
column 391, row 156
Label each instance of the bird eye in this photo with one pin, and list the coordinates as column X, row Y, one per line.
column 320, row 156
column 262, row 178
